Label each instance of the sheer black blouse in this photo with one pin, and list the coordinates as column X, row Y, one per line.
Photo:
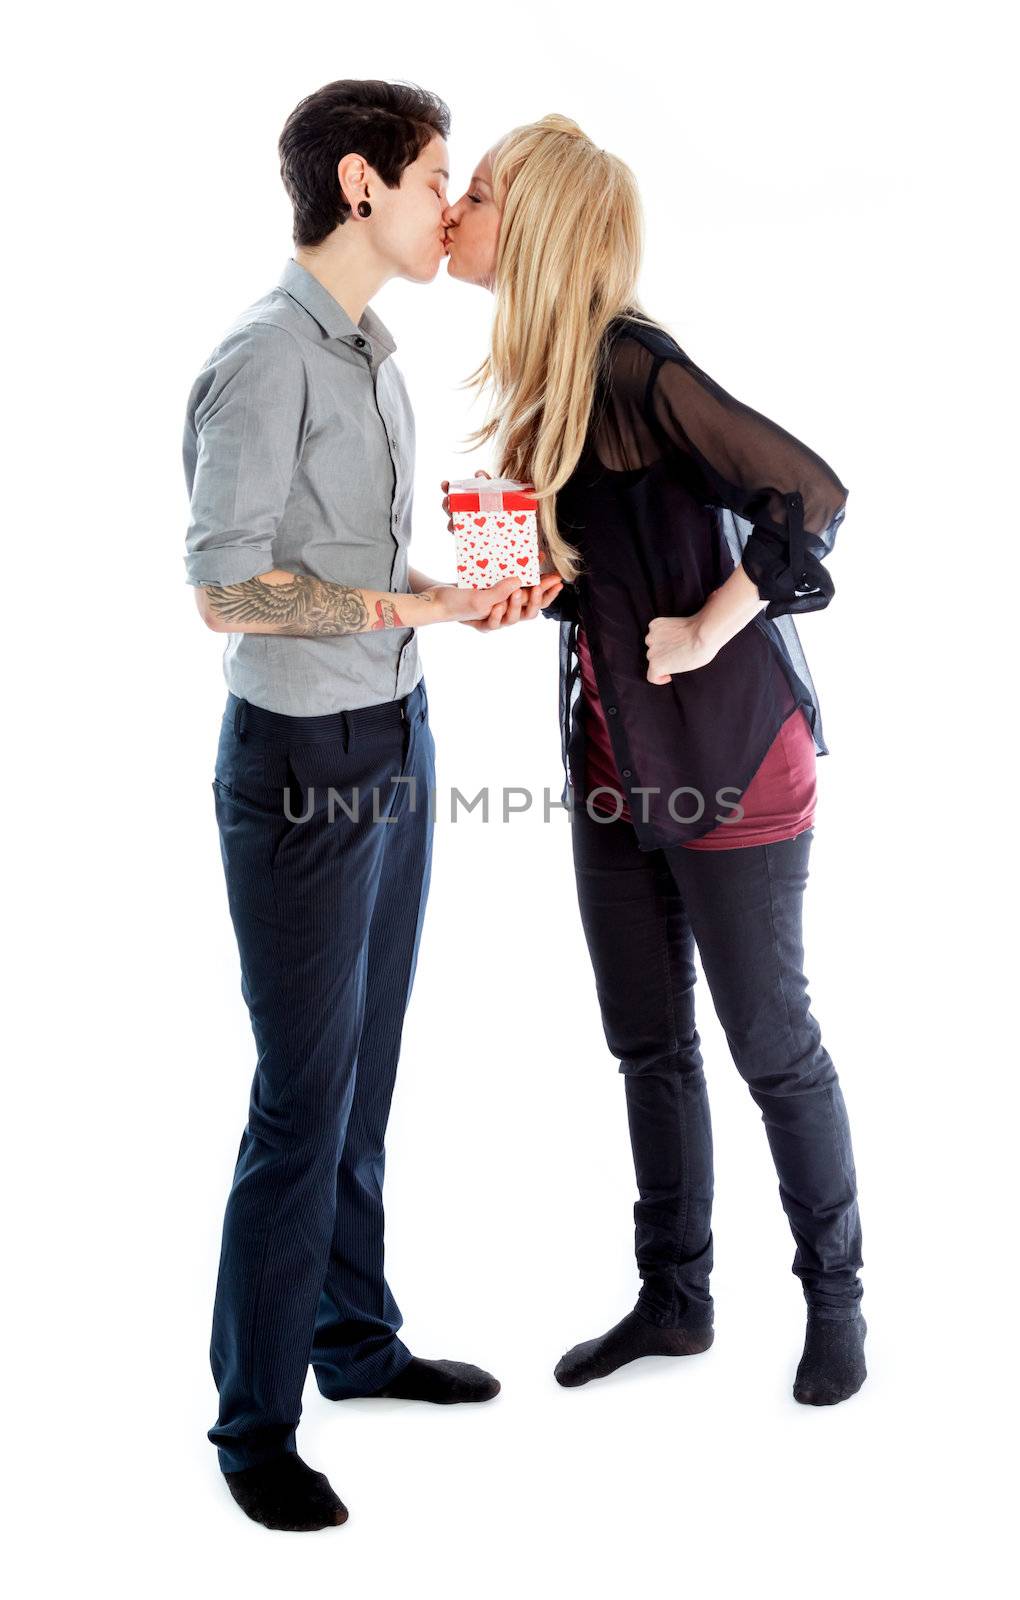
column 677, row 482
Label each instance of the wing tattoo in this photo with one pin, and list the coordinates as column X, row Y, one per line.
column 308, row 607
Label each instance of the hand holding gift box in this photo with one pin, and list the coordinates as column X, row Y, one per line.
column 523, row 604
column 495, row 523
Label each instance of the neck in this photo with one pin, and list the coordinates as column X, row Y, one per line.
column 350, row 270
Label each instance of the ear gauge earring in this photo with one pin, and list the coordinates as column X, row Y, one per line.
column 364, row 209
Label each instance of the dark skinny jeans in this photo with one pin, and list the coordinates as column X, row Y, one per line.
column 643, row 913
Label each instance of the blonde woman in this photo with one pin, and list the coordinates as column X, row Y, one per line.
column 687, row 529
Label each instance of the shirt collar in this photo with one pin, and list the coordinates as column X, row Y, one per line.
column 330, row 314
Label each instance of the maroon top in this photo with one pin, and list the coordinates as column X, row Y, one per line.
column 778, row 803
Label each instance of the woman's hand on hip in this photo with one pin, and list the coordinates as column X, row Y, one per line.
column 677, row 644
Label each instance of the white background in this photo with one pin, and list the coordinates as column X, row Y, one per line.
column 824, row 190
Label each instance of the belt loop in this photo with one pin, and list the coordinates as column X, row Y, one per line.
column 239, row 718
column 347, row 731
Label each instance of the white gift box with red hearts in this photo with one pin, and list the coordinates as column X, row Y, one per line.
column 495, row 523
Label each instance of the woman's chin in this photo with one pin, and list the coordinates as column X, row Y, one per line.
column 461, row 274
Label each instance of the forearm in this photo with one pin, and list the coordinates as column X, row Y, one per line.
column 306, row 607
column 730, row 608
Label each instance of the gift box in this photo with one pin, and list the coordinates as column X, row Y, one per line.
column 495, row 524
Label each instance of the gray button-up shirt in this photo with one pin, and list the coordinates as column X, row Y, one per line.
column 299, row 455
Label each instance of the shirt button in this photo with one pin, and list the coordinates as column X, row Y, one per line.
column 359, row 341
column 625, row 773
column 611, row 711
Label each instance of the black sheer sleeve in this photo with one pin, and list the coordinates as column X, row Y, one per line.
column 564, row 607
column 756, row 469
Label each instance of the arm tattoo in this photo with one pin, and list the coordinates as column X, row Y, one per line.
column 308, row 607
column 386, row 611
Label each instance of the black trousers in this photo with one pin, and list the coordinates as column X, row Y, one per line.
column 325, row 828
column 643, row 913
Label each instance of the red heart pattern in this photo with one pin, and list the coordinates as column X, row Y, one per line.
column 491, row 544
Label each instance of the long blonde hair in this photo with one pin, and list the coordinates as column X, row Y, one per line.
column 567, row 263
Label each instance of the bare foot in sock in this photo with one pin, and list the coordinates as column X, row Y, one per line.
column 445, row 1383
column 832, row 1366
column 627, row 1341
column 286, row 1493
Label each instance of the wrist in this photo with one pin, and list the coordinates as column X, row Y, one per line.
column 728, row 609
column 710, row 630
column 428, row 605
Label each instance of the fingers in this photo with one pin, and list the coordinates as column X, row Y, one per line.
column 505, row 604
column 522, row 605
column 445, row 486
column 504, row 588
column 506, row 612
column 485, row 624
column 496, row 598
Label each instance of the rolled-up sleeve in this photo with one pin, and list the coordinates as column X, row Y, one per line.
column 246, row 423
column 757, row 469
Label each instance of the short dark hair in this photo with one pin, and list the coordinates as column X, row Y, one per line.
column 388, row 123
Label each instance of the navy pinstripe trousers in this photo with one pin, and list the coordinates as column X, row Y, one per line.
column 325, row 827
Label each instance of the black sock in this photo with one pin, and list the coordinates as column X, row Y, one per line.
column 445, row 1383
column 630, row 1338
column 286, row 1493
column 832, row 1366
